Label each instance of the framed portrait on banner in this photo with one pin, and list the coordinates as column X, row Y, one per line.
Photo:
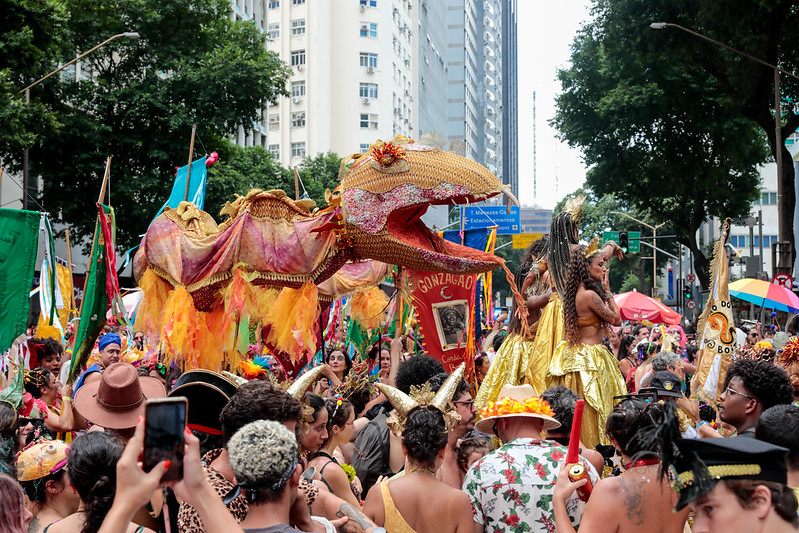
column 452, row 318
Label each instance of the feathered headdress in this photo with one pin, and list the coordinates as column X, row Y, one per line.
column 574, row 206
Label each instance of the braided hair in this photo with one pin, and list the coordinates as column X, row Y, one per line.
column 562, row 235
column 36, row 380
column 577, row 277
column 534, row 253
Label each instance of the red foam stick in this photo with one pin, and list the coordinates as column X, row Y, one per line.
column 573, row 455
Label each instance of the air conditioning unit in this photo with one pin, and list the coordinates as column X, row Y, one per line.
column 363, row 8
column 370, row 70
column 299, row 67
column 296, row 99
column 367, row 101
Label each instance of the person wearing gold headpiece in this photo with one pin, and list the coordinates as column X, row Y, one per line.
column 581, row 362
column 562, row 242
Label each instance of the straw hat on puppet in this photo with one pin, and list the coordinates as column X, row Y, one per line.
column 516, row 400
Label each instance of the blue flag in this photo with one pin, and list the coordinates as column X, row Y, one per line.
column 199, row 175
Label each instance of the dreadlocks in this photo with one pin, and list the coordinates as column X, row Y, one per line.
column 534, row 253
column 562, row 235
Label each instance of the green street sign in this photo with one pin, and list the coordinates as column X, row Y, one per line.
column 634, row 238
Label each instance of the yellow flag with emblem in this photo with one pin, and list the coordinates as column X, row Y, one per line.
column 717, row 341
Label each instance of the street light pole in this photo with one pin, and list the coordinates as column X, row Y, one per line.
column 654, row 250
column 783, row 230
column 27, row 92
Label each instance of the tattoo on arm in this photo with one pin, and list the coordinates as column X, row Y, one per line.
column 602, row 309
column 355, row 518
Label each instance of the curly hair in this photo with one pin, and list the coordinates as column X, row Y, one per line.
column 768, row 383
column 438, row 380
column 562, row 235
column 425, row 435
column 477, row 443
column 263, row 456
column 562, row 401
column 416, row 371
column 93, row 472
column 258, row 400
column 577, row 277
column 40, row 348
column 37, row 379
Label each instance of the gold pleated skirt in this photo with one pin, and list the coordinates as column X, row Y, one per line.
column 508, row 367
column 548, row 336
column 593, row 373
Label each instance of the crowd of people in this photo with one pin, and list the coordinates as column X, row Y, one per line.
column 392, row 442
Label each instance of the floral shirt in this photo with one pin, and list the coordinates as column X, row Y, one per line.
column 511, row 489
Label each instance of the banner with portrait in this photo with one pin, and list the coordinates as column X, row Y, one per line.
column 444, row 306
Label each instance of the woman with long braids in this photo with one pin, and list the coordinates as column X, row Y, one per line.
column 511, row 361
column 562, row 242
column 581, row 362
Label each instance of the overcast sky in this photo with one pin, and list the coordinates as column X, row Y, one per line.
column 545, row 32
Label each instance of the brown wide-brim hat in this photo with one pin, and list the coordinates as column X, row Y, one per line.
column 116, row 400
column 519, row 393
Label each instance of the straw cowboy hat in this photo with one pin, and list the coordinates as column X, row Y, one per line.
column 116, row 400
column 513, row 400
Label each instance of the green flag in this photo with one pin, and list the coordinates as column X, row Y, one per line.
column 19, row 239
column 94, row 304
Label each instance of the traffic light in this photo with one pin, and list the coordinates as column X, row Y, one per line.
column 688, row 293
column 624, row 241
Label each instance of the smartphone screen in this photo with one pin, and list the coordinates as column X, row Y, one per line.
column 164, row 423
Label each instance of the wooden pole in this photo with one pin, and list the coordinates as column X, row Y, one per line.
column 2, row 169
column 398, row 310
column 296, row 184
column 69, row 266
column 104, row 186
column 188, row 169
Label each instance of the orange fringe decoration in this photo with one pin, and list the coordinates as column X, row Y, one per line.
column 293, row 319
column 369, row 308
column 180, row 331
column 156, row 294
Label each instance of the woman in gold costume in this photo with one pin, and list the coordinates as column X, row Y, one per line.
column 581, row 362
column 511, row 360
column 562, row 242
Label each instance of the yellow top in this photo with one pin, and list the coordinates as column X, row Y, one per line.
column 393, row 521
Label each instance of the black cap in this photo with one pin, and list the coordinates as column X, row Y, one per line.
column 666, row 384
column 705, row 461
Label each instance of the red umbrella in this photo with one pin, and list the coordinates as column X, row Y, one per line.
column 636, row 306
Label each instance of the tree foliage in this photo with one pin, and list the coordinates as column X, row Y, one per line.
column 139, row 98
column 656, row 130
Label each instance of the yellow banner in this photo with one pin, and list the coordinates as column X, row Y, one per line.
column 523, row 240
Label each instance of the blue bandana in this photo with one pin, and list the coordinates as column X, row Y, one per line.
column 109, row 338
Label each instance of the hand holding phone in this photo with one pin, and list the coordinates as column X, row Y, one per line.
column 164, row 423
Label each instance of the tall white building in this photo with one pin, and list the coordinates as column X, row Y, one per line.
column 353, row 66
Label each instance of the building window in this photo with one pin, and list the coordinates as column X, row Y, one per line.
column 274, row 149
column 273, row 30
column 368, row 120
column 273, row 5
column 297, row 58
column 298, row 119
column 298, row 88
column 297, row 2
column 369, row 3
column 298, row 27
column 274, row 121
column 369, row 29
column 367, row 59
column 768, row 198
column 768, row 240
column 298, row 149
column 368, row 90
column 364, row 148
